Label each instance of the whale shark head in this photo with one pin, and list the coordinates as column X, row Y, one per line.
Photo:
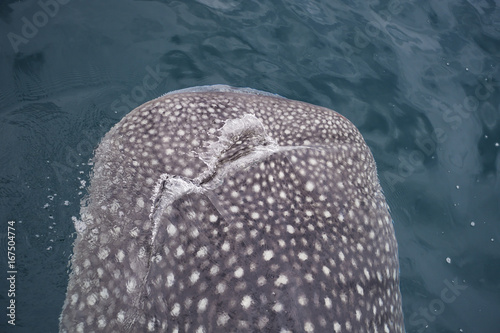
column 220, row 209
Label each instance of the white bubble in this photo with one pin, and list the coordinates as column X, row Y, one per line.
column 79, row 225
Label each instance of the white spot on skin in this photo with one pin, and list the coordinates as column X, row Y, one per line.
column 246, row 302
column 303, row 256
column 120, row 255
column 202, row 305
column 360, row 290
column 262, row 322
column 135, row 232
column 194, row 233
column 261, row 281
column 278, row 307
column 281, row 280
column 309, row 186
column 140, row 202
column 131, row 284
column 91, row 299
column 176, row 309
column 170, row 279
column 308, row 327
column 103, row 253
column 121, row 316
column 151, row 325
column 171, row 230
column 202, row 252
column 336, row 327
column 222, row 319
column 328, row 302
column 101, row 323
column 104, row 293
column 356, row 203
column 194, row 277
column 290, row 229
column 214, row 270
column 239, row 272
column 221, row 287
column 268, row 255
column 179, row 251
column 358, row 315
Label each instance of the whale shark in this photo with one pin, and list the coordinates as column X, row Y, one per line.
column 222, row 209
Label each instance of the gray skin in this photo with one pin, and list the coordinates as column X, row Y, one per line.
column 217, row 209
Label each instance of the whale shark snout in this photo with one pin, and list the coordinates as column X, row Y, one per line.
column 220, row 209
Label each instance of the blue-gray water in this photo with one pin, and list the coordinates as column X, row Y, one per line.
column 420, row 79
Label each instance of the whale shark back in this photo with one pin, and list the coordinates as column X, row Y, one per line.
column 233, row 210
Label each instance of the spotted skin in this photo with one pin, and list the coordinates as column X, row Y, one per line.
column 225, row 210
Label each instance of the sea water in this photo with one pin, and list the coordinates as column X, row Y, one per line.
column 420, row 79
